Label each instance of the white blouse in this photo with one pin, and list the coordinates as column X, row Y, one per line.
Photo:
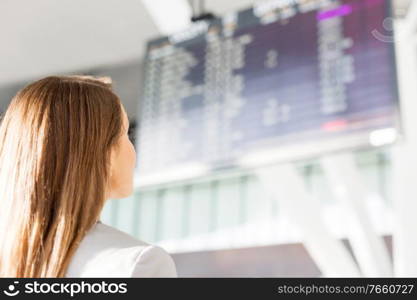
column 108, row 252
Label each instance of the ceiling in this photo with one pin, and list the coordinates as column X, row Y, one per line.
column 401, row 7
column 47, row 36
column 43, row 36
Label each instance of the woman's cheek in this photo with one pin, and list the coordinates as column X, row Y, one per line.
column 134, row 157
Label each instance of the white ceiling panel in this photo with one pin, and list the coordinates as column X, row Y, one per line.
column 44, row 36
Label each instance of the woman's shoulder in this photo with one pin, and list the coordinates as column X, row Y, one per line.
column 109, row 252
column 104, row 235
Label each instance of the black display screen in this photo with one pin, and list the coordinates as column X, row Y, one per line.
column 282, row 73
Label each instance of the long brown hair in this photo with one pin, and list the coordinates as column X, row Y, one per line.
column 55, row 142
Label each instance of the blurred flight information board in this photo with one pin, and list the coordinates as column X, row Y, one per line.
column 282, row 73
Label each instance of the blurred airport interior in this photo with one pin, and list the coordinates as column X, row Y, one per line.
column 274, row 137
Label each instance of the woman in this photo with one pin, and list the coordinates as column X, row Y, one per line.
column 64, row 150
